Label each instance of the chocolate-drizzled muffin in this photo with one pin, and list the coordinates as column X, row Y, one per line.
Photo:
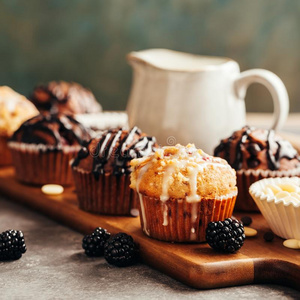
column 66, row 97
column 257, row 154
column 44, row 145
column 101, row 171
column 53, row 130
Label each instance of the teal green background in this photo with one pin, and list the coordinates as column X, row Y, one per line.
column 86, row 41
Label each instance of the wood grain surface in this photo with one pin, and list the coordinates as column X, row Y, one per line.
column 197, row 265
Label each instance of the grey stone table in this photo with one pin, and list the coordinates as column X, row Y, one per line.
column 55, row 267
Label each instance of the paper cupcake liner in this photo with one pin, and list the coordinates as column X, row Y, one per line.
column 39, row 164
column 110, row 194
column 177, row 220
column 5, row 154
column 282, row 218
column 245, row 178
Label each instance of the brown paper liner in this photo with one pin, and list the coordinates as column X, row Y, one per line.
column 245, row 178
column 5, row 154
column 109, row 195
column 186, row 222
column 40, row 166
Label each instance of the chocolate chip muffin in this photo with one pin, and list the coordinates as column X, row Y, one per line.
column 101, row 171
column 44, row 145
column 65, row 97
column 14, row 110
column 182, row 189
column 256, row 154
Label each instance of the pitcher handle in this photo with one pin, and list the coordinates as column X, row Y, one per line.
column 276, row 87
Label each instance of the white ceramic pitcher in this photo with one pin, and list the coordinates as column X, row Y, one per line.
column 184, row 98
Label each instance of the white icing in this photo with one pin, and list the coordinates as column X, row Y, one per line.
column 138, row 181
column 193, row 235
column 165, row 215
column 166, row 183
column 145, row 229
column 142, row 172
column 193, row 175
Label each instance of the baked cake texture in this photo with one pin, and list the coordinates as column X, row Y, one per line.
column 181, row 190
column 14, row 110
column 256, row 154
column 101, row 170
column 65, row 97
column 44, row 145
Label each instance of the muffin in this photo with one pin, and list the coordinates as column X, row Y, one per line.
column 182, row 189
column 44, row 145
column 14, row 110
column 101, row 171
column 65, row 97
column 279, row 201
column 257, row 154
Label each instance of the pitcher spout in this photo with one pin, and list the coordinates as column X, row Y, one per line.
column 169, row 60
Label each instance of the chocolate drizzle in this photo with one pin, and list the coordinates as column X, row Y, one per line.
column 243, row 148
column 64, row 97
column 52, row 129
column 114, row 150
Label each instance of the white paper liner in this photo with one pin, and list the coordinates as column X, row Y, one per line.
column 283, row 219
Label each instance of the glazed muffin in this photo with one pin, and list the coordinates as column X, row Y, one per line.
column 182, row 189
column 65, row 97
column 256, row 154
column 14, row 110
column 101, row 171
column 44, row 145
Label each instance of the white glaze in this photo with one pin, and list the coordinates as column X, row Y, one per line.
column 165, row 214
column 145, row 229
column 166, row 183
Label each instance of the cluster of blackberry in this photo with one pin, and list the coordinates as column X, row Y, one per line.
column 119, row 250
column 12, row 245
column 225, row 236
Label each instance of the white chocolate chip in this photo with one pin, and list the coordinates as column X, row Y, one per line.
column 292, row 244
column 282, row 194
column 250, row 231
column 289, row 187
column 52, row 189
column 269, row 192
column 275, row 189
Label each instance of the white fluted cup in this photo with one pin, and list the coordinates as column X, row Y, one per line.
column 282, row 215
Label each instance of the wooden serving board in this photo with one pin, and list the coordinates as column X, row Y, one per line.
column 196, row 265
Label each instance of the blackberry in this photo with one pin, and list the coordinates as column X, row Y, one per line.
column 12, row 245
column 93, row 244
column 120, row 250
column 225, row 236
column 269, row 236
column 246, row 220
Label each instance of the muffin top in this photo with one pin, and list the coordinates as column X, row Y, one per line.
column 55, row 130
column 251, row 148
column 65, row 97
column 14, row 110
column 113, row 150
column 182, row 172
